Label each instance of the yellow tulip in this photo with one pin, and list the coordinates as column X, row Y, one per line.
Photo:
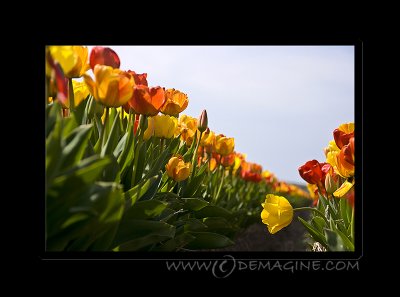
column 150, row 128
column 187, row 127
column 112, row 88
column 73, row 59
column 177, row 169
column 164, row 126
column 80, row 91
column 224, row 145
column 277, row 213
column 344, row 188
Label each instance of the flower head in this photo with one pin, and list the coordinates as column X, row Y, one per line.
column 177, row 169
column 164, row 126
column 112, row 88
column 104, row 56
column 73, row 59
column 277, row 213
column 224, row 145
column 147, row 101
column 175, row 103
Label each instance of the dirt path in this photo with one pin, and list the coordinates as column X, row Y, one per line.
column 257, row 238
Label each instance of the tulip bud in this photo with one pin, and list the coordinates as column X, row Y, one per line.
column 203, row 121
column 331, row 183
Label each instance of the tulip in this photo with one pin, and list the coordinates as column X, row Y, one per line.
column 312, row 172
column 208, row 140
column 277, row 213
column 228, row 160
column 343, row 161
column 73, row 59
column 57, row 83
column 140, row 79
column 177, row 169
column 203, row 121
column 187, row 128
column 331, row 182
column 147, row 101
column 175, row 103
column 81, row 92
column 112, row 88
column 344, row 188
column 343, row 134
column 104, row 56
column 150, row 128
column 164, row 126
column 224, row 145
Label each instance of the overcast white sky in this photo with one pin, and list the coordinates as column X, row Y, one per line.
column 280, row 103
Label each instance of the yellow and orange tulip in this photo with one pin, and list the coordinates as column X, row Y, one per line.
column 112, row 88
column 175, row 103
column 224, row 145
column 177, row 169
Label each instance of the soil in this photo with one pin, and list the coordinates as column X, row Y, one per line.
column 257, row 238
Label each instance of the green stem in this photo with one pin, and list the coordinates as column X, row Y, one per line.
column 313, row 209
column 139, row 134
column 194, row 159
column 71, row 95
column 104, row 132
column 220, row 185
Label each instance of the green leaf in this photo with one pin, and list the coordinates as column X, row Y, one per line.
column 140, row 189
column 175, row 243
column 152, row 189
column 193, row 185
column 135, row 234
column 212, row 211
column 53, row 116
column 208, row 240
column 194, row 203
column 141, row 162
column 346, row 242
column 111, row 172
column 113, row 136
column 145, row 209
column 85, row 172
column 192, row 224
column 120, row 146
column 315, row 234
column 77, row 143
column 54, row 147
column 318, row 223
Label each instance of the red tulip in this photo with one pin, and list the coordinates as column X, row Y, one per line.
column 104, row 56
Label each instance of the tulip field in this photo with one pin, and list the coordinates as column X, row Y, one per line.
column 128, row 170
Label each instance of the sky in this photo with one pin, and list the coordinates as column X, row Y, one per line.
column 280, row 103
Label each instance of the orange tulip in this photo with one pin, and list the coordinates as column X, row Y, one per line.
column 140, row 79
column 175, row 103
column 104, row 56
column 228, row 160
column 177, row 169
column 147, row 101
column 113, row 87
